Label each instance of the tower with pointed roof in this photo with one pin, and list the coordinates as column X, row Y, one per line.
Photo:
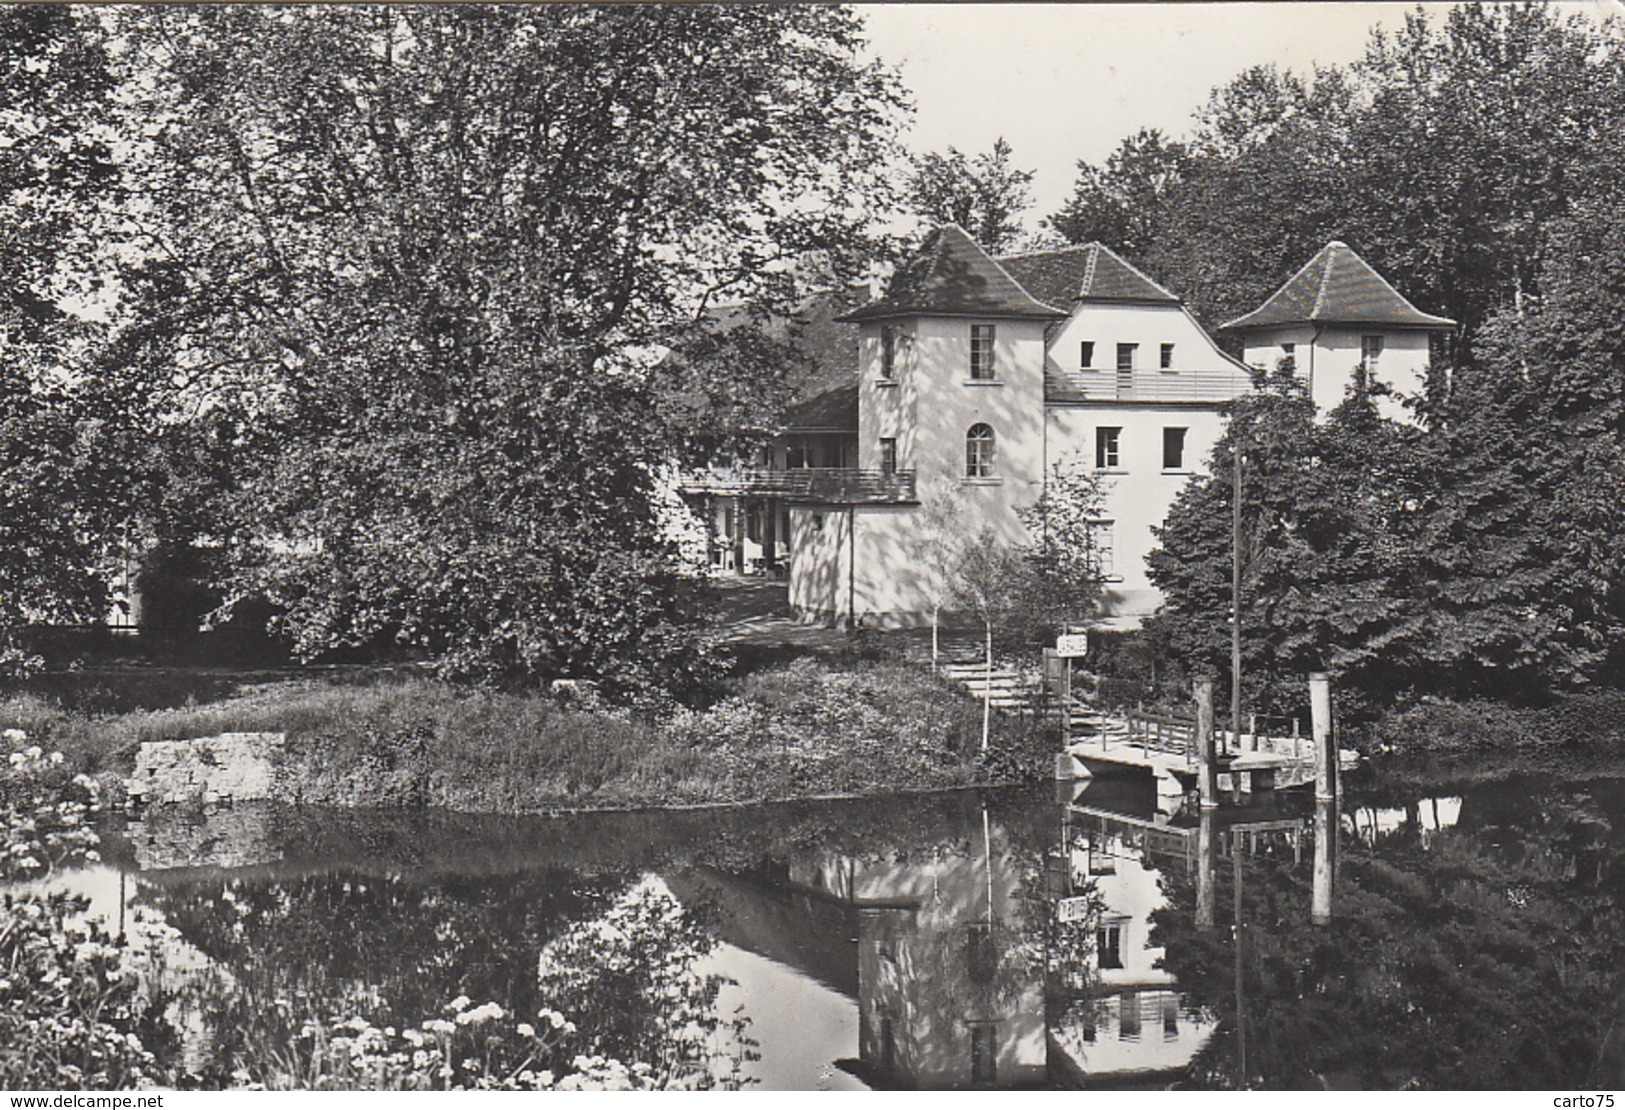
column 977, row 375
column 1340, row 322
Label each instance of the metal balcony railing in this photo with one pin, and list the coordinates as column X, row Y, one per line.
column 809, row 485
column 1149, row 385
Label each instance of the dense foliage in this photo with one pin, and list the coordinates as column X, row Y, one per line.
column 985, row 195
column 387, row 295
column 61, row 478
column 1442, row 156
column 1480, row 556
column 1476, row 164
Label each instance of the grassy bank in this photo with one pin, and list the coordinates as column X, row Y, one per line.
column 802, row 730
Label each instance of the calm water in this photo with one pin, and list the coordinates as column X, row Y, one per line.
column 1003, row 939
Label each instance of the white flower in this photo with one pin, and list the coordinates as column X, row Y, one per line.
column 488, row 1012
column 526, row 1029
column 13, row 736
column 460, row 1002
column 17, row 759
column 34, row 752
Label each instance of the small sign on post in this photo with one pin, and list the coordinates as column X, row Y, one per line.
column 1074, row 645
column 1073, row 909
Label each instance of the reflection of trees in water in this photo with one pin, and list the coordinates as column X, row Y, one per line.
column 322, row 947
column 627, row 979
column 1488, row 956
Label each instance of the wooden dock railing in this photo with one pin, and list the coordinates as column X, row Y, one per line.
column 1156, row 732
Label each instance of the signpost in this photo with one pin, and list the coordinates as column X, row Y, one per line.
column 1073, row 909
column 1073, row 645
column 1069, row 646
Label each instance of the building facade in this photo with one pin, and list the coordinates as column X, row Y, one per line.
column 977, row 376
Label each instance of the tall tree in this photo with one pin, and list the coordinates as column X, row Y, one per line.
column 985, row 195
column 1441, row 155
column 1120, row 204
column 60, row 482
column 422, row 256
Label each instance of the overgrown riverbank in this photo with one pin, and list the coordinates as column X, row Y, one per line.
column 808, row 729
column 1589, row 721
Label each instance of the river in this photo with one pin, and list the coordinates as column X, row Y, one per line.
column 1005, row 939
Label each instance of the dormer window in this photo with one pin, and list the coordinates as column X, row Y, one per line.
column 981, row 352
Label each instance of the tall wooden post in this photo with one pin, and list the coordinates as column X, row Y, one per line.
column 1235, row 596
column 1207, row 862
column 1320, row 713
column 1207, row 773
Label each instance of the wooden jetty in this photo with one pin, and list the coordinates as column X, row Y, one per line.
column 1170, row 747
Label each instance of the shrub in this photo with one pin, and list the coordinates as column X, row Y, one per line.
column 71, row 1016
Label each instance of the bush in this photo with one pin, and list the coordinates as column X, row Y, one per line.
column 71, row 1016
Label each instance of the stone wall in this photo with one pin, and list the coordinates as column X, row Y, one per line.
column 234, row 767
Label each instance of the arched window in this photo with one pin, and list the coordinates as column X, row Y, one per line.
column 979, row 452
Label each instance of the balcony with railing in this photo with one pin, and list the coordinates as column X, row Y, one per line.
column 1205, row 386
column 833, row 485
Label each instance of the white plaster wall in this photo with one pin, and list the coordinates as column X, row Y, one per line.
column 928, row 407
column 816, row 545
column 1150, row 326
column 1139, row 491
column 1328, row 360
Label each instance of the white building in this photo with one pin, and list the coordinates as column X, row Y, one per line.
column 1337, row 319
column 976, row 376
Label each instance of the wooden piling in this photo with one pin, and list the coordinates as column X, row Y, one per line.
column 1207, row 861
column 1320, row 906
column 1207, row 780
column 1320, row 714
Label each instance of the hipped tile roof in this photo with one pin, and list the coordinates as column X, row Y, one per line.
column 1091, row 272
column 834, row 410
column 1337, row 286
column 951, row 275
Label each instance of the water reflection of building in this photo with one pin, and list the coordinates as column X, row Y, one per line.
column 950, row 984
column 1121, row 1013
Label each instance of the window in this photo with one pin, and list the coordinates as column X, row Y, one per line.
column 1107, row 442
column 981, row 351
column 983, row 1052
column 979, row 452
column 1173, row 448
column 1128, row 1016
column 1125, row 355
column 1289, row 349
column 1166, row 358
column 1109, row 945
column 981, row 954
column 1100, row 538
column 1370, row 351
column 888, row 455
column 1086, row 355
column 1170, row 1017
column 888, row 352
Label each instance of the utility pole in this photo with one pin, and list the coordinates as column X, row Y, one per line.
column 1235, row 590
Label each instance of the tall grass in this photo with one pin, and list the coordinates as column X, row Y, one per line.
column 803, row 730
